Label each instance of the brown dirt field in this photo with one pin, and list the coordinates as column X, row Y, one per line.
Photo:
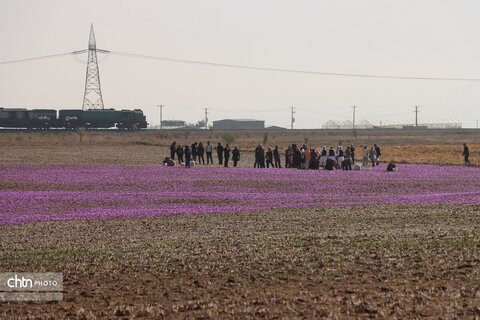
column 243, row 138
column 347, row 262
column 151, row 146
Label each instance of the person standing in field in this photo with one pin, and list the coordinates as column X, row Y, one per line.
column 220, row 153
column 314, row 164
column 262, row 157
column 270, row 158
column 372, row 154
column 257, row 157
column 188, row 156
column 194, row 151
column 331, row 153
column 288, row 157
column 226, row 152
column 173, row 149
column 340, row 155
column 235, row 156
column 365, row 156
column 348, row 153
column 200, row 153
column 307, row 154
column 209, row 150
column 466, row 153
column 297, row 158
column 377, row 151
column 352, row 153
column 323, row 157
column 276, row 156
column 180, row 154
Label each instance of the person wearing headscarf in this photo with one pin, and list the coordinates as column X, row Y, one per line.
column 276, row 156
column 220, row 153
column 323, row 157
column 226, row 154
column 270, row 158
column 188, row 157
column 235, row 156
column 372, row 154
column 365, row 156
column 466, row 153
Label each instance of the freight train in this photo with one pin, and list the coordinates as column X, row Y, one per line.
column 72, row 119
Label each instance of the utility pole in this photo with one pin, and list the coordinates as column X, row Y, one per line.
column 206, row 118
column 292, row 118
column 161, row 115
column 416, row 116
column 354, row 129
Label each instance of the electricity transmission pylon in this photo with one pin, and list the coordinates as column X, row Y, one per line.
column 93, row 94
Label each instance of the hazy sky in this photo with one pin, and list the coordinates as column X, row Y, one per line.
column 435, row 38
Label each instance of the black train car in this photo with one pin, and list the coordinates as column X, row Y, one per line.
column 72, row 119
column 42, row 118
column 13, row 117
column 30, row 119
column 132, row 120
column 102, row 118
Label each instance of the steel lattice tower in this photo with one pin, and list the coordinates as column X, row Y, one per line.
column 93, row 94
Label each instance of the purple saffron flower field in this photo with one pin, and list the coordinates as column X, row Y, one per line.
column 32, row 193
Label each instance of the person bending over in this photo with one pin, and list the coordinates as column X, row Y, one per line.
column 391, row 167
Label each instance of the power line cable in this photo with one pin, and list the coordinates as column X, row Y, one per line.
column 37, row 58
column 323, row 73
column 245, row 67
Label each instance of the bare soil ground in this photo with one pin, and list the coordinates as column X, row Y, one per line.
column 348, row 262
column 151, row 146
column 344, row 262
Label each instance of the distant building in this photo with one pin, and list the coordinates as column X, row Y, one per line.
column 275, row 128
column 173, row 123
column 239, row 124
column 394, row 124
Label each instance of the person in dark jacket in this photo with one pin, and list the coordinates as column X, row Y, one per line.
column 173, row 149
column 276, row 156
column 200, row 153
column 194, row 151
column 352, row 153
column 220, row 153
column 257, row 156
column 330, row 165
column 288, row 157
column 226, row 154
column 377, row 150
column 391, row 166
column 188, row 157
column 297, row 158
column 169, row 162
column 180, row 154
column 314, row 163
column 235, row 156
column 466, row 153
column 262, row 157
column 270, row 158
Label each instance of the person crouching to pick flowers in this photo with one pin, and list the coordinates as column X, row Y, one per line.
column 391, row 166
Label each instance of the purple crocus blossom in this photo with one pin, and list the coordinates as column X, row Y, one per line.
column 30, row 193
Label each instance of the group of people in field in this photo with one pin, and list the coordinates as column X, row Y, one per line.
column 197, row 152
column 329, row 158
column 296, row 157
